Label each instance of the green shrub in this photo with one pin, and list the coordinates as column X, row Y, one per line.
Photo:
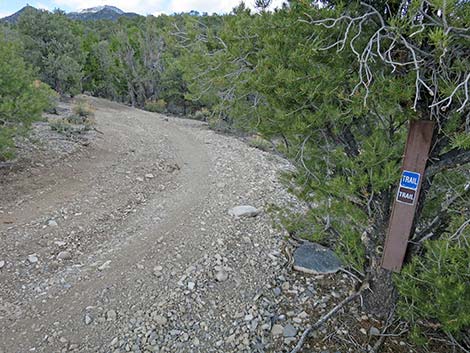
column 202, row 114
column 260, row 143
column 435, row 288
column 158, row 106
column 70, row 126
column 83, row 109
column 22, row 99
column 7, row 145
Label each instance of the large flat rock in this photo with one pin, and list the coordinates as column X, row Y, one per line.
column 315, row 259
column 243, row 211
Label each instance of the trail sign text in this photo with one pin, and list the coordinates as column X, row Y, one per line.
column 408, row 186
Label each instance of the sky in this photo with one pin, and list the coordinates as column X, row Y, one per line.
column 144, row 7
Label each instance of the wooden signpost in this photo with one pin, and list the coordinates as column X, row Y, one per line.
column 401, row 221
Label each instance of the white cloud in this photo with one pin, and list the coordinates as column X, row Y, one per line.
column 42, row 6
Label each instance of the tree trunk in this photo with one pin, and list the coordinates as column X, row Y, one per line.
column 382, row 296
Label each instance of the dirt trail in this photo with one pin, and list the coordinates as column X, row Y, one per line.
column 132, row 235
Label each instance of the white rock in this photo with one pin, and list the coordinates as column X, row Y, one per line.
column 33, row 258
column 111, row 315
column 221, row 276
column 374, row 331
column 64, row 255
column 60, row 243
column 149, row 176
column 277, row 330
column 244, row 211
column 191, row 285
column 52, row 223
column 160, row 320
column 88, row 319
column 104, row 265
column 2, row 264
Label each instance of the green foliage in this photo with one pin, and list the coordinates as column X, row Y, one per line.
column 202, row 114
column 435, row 287
column 52, row 44
column 259, row 142
column 158, row 106
column 83, row 109
column 23, row 99
column 72, row 125
column 7, row 145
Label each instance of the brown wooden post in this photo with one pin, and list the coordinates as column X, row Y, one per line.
column 401, row 221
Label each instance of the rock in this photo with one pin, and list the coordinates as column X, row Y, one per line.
column 315, row 259
column 277, row 330
column 244, row 211
column 2, row 264
column 160, row 320
column 52, row 223
column 277, row 291
column 196, row 341
column 221, row 276
column 33, row 258
column 303, row 315
column 104, row 266
column 111, row 315
column 149, row 176
column 289, row 331
column 64, row 255
column 191, row 285
column 88, row 319
column 374, row 331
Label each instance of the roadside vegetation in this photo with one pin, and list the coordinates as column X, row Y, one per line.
column 332, row 88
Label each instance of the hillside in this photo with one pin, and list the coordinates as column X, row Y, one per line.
column 98, row 13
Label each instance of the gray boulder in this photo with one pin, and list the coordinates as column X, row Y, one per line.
column 315, row 259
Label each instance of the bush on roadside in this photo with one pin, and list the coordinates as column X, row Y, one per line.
column 201, row 115
column 259, row 142
column 434, row 288
column 22, row 98
column 71, row 126
column 156, row 106
column 83, row 109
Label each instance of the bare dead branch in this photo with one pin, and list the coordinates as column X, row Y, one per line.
column 327, row 316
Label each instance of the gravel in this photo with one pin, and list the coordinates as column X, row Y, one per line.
column 158, row 265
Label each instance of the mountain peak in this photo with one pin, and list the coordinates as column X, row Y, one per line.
column 105, row 12
column 101, row 8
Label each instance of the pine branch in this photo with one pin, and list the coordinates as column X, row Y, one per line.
column 449, row 160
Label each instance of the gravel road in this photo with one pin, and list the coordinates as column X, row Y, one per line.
column 127, row 244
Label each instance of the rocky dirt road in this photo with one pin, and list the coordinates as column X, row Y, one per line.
column 127, row 245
